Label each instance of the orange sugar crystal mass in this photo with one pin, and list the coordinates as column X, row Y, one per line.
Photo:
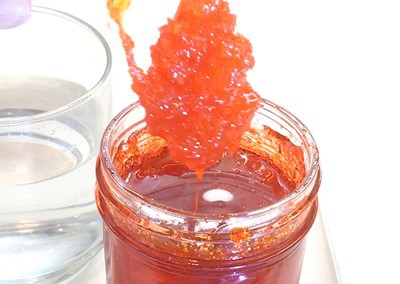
column 195, row 93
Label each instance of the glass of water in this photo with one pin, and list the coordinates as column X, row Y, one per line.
column 54, row 106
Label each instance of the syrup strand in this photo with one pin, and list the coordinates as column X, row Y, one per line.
column 196, row 198
column 199, row 175
column 117, row 9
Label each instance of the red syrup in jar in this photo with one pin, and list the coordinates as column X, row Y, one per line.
column 229, row 186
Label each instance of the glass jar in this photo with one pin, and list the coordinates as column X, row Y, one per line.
column 149, row 241
column 55, row 94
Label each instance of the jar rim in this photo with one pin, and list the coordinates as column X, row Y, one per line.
column 308, row 187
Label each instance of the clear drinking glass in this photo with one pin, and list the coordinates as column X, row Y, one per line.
column 154, row 234
column 54, row 106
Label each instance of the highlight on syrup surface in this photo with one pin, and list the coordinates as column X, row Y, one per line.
column 195, row 93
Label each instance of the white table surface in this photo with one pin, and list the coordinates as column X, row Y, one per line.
column 335, row 65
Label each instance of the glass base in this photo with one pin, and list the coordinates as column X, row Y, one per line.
column 48, row 252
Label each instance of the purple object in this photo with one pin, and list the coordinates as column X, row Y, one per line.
column 14, row 13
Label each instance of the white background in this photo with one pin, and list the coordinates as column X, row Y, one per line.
column 336, row 66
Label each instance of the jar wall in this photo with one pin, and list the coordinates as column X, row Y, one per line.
column 144, row 269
